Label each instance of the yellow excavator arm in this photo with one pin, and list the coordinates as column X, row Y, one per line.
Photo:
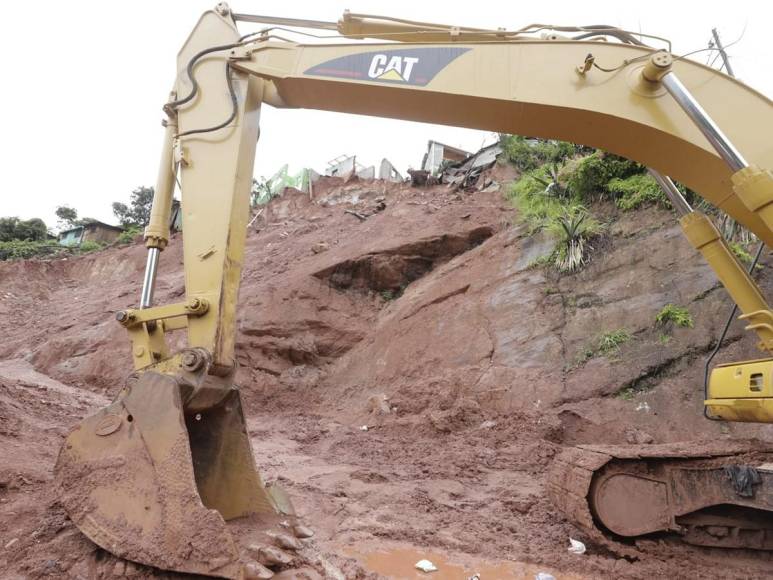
column 183, row 415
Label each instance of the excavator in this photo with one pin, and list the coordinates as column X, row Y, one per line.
column 165, row 475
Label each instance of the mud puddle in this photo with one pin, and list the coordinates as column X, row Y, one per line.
column 398, row 562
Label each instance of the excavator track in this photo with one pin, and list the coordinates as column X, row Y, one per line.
column 717, row 495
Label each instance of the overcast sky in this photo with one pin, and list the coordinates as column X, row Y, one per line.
column 83, row 85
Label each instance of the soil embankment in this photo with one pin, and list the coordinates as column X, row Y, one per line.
column 428, row 323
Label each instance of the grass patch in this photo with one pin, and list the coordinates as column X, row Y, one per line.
column 606, row 344
column 568, row 222
column 636, row 191
column 677, row 315
column 536, row 208
column 609, row 342
column 540, row 262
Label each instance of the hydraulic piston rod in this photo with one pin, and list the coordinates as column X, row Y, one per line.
column 672, row 193
column 752, row 184
column 706, row 124
column 659, row 70
column 157, row 232
column 149, row 281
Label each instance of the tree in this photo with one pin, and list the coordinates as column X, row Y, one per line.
column 137, row 213
column 68, row 216
column 12, row 228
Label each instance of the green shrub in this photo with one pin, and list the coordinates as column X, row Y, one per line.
column 24, row 249
column 528, row 154
column 592, row 174
column 89, row 246
column 635, row 191
column 568, row 221
column 127, row 236
column 740, row 252
column 535, row 207
column 678, row 315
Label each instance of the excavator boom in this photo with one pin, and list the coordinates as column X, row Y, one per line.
column 173, row 451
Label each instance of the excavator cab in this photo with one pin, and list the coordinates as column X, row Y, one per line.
column 742, row 392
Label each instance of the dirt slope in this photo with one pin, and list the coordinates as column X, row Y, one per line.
column 425, row 322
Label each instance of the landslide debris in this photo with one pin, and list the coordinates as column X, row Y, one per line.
column 434, row 308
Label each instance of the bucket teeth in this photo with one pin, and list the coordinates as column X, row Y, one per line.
column 302, row 531
column 255, row 571
column 269, row 555
column 286, row 541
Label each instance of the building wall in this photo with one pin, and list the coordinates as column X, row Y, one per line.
column 71, row 238
column 437, row 153
column 342, row 168
column 101, row 235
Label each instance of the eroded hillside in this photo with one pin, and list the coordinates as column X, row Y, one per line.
column 432, row 323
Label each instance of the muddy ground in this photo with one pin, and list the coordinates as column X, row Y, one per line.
column 428, row 323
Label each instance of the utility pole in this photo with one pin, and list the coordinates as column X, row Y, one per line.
column 722, row 52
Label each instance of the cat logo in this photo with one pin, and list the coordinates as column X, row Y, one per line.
column 403, row 66
column 396, row 68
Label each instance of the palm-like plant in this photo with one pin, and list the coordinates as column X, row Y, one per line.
column 573, row 230
column 551, row 184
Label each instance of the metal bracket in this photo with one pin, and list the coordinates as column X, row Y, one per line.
column 132, row 317
column 586, row 65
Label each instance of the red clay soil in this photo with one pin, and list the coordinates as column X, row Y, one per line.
column 425, row 322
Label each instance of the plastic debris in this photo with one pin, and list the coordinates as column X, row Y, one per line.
column 364, row 428
column 643, row 406
column 475, row 576
column 576, row 547
column 544, row 576
column 425, row 566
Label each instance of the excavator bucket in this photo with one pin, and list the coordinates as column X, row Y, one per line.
column 152, row 484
